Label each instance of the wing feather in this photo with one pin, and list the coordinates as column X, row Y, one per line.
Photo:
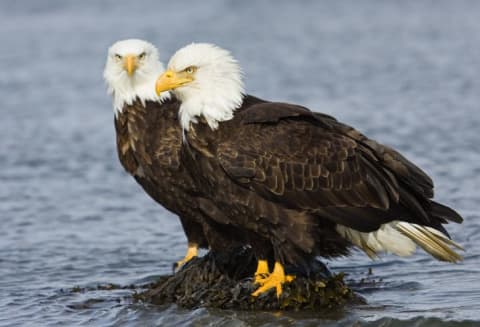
column 312, row 162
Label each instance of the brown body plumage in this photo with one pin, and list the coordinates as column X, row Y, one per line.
column 149, row 142
column 288, row 177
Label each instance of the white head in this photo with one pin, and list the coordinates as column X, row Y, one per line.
column 208, row 82
column 130, row 72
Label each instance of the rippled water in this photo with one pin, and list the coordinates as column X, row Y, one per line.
column 405, row 73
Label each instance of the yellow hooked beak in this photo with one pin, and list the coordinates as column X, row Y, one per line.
column 171, row 80
column 130, row 64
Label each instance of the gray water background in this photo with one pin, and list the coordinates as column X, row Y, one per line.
column 403, row 72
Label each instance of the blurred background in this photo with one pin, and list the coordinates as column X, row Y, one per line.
column 403, row 72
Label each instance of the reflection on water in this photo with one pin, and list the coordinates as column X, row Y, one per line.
column 405, row 73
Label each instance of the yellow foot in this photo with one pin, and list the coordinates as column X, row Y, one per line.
column 275, row 280
column 192, row 252
column 262, row 272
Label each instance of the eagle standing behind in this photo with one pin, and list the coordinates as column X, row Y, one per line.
column 149, row 138
column 298, row 184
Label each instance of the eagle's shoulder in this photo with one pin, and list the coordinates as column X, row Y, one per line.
column 257, row 111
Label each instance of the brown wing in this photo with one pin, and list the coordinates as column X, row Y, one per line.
column 404, row 169
column 310, row 161
column 415, row 185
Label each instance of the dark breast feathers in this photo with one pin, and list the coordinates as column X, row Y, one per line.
column 290, row 175
column 148, row 143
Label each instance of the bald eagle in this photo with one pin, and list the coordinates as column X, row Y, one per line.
column 149, row 138
column 298, row 184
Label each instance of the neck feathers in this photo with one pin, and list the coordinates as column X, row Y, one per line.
column 125, row 90
column 214, row 107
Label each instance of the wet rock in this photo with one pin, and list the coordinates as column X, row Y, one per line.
column 225, row 282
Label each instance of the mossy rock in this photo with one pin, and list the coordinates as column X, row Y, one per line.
column 225, row 282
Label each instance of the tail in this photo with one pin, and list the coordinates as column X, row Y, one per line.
column 444, row 213
column 402, row 238
column 432, row 241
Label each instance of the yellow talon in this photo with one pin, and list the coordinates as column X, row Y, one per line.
column 192, row 252
column 262, row 271
column 274, row 280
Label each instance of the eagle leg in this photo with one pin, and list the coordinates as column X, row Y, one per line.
column 262, row 272
column 274, row 280
column 192, row 252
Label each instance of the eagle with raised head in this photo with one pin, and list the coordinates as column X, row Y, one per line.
column 149, row 139
column 296, row 183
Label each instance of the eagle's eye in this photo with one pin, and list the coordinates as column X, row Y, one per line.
column 118, row 57
column 142, row 56
column 190, row 70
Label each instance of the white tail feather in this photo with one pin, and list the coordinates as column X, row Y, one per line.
column 401, row 238
column 438, row 246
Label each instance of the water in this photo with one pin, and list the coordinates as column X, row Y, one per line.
column 405, row 73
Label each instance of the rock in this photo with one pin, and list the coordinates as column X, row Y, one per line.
column 225, row 282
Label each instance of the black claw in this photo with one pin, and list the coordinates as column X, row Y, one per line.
column 175, row 267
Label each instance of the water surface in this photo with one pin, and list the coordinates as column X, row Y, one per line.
column 405, row 73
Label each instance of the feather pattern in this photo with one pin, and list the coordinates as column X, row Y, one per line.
column 343, row 183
